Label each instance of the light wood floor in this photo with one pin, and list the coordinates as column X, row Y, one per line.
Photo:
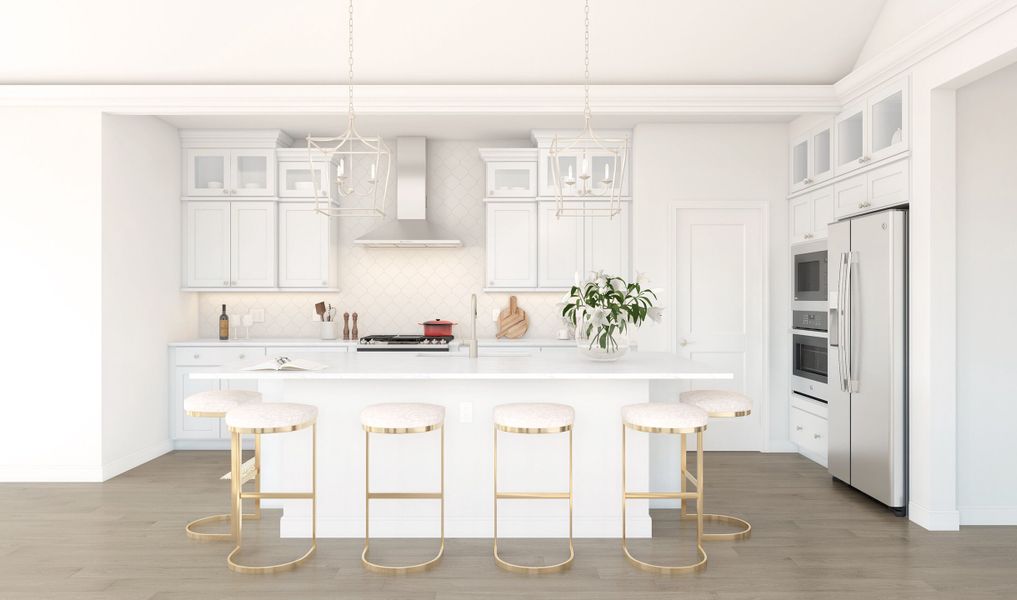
column 812, row 539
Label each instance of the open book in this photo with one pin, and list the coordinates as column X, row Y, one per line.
column 284, row 363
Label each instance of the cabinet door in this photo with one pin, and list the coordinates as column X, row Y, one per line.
column 822, row 211
column 821, row 156
column 800, row 212
column 607, row 243
column 296, row 180
column 185, row 427
column 252, row 173
column 560, row 246
column 545, row 171
column 252, row 244
column 849, row 196
column 511, row 179
column 888, row 121
column 233, row 384
column 207, row 244
column 851, row 133
column 304, row 246
column 799, row 161
column 596, row 165
column 206, row 173
column 511, row 244
column 889, row 185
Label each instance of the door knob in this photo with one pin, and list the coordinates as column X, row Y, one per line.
column 684, row 342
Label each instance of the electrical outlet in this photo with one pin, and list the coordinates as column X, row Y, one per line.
column 465, row 412
column 258, row 315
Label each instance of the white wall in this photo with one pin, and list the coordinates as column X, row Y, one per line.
column 712, row 162
column 142, row 306
column 986, row 288
column 50, row 252
column 897, row 20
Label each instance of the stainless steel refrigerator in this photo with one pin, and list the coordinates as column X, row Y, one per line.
column 868, row 355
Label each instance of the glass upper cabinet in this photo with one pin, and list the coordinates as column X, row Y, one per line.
column 594, row 169
column 888, row 134
column 230, row 173
column 811, row 157
column 207, row 173
column 511, row 179
column 252, row 172
column 822, row 153
column 297, row 178
column 851, row 138
column 799, row 163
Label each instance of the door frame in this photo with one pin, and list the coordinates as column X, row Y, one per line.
column 762, row 405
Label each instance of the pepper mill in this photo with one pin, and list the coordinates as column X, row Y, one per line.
column 346, row 326
column 356, row 335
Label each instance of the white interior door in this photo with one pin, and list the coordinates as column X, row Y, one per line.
column 719, row 294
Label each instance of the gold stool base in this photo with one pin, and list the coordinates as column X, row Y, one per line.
column 208, row 537
column 401, row 570
column 256, row 570
column 743, row 534
column 528, row 570
column 664, row 569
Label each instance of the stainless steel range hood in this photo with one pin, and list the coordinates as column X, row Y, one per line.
column 411, row 229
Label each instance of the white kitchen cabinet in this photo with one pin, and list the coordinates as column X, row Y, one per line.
column 230, row 244
column 884, row 186
column 252, row 244
column 298, row 175
column 229, row 173
column 809, row 428
column 560, row 246
column 510, row 172
column 511, row 244
column 606, row 243
column 811, row 157
column 185, row 427
column 207, row 244
column 810, row 214
column 308, row 247
column 596, row 164
column 873, row 128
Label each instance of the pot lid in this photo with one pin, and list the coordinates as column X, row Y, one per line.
column 437, row 322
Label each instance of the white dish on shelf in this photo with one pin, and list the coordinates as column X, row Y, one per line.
column 252, row 185
column 303, row 185
column 214, row 185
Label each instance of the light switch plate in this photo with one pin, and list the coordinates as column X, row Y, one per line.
column 258, row 314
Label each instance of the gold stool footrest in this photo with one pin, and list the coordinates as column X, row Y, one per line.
column 198, row 535
column 666, row 569
column 742, row 534
column 255, row 570
column 528, row 570
column 404, row 569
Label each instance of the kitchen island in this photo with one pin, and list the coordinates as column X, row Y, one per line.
column 469, row 389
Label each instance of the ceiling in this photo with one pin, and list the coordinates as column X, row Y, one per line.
column 433, row 42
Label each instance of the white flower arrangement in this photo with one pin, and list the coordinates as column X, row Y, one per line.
column 603, row 306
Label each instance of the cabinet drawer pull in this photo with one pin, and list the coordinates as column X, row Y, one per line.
column 798, row 428
column 816, row 436
column 242, row 357
column 197, row 356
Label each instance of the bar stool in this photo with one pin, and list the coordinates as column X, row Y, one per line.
column 260, row 419
column 719, row 404
column 401, row 418
column 532, row 418
column 677, row 418
column 214, row 404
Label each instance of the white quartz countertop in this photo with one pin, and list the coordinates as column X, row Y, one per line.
column 442, row 366
column 318, row 343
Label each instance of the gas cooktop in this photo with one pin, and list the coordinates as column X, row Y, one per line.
column 396, row 343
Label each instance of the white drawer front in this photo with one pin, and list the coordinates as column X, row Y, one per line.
column 212, row 357
column 809, row 432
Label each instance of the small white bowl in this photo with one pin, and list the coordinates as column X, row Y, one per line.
column 251, row 185
column 304, row 185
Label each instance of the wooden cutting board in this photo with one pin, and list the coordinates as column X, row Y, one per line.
column 512, row 321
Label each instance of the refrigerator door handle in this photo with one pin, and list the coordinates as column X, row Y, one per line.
column 842, row 322
column 851, row 260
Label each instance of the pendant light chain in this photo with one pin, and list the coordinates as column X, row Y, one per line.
column 350, row 59
column 586, row 73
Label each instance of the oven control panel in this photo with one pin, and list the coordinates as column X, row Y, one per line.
column 812, row 320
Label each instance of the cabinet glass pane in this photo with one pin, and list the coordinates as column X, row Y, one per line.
column 849, row 139
column 508, row 180
column 301, row 180
column 252, row 172
column 800, row 162
column 566, row 165
column 209, row 172
column 821, row 152
column 602, row 170
column 887, row 122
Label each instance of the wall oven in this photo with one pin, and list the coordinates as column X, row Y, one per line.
column 810, row 356
column 809, row 274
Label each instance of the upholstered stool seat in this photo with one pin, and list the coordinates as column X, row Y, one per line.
column 216, row 403
column 402, row 417
column 718, row 403
column 271, row 417
column 534, row 417
column 657, row 417
column 261, row 418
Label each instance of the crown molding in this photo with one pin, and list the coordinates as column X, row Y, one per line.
column 647, row 100
column 949, row 26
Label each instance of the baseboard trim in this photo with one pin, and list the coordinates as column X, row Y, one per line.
column 50, row 474
column 776, row 446
column 934, row 520
column 988, row 515
column 248, row 444
column 123, row 464
column 608, row 526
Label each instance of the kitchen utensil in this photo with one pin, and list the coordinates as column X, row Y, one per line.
column 355, row 333
column 346, row 325
column 320, row 309
column 330, row 313
column 512, row 322
column 437, row 327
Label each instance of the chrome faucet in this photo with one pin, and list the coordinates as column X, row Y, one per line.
column 473, row 329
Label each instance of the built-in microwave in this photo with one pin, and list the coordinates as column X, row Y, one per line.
column 810, row 269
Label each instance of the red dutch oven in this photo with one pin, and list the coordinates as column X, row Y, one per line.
column 437, row 327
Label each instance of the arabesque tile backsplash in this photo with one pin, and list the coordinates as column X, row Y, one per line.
column 394, row 289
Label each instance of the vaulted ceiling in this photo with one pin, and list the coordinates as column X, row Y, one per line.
column 432, row 41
